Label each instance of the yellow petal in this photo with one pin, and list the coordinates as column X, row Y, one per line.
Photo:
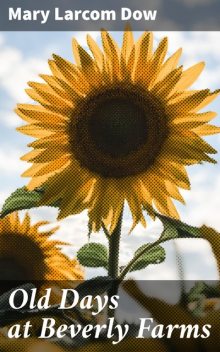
column 36, row 182
column 75, row 202
column 34, row 131
column 53, row 82
column 157, row 60
column 174, row 192
column 44, row 156
column 32, row 113
column 189, row 103
column 206, row 130
column 192, row 120
column 42, row 92
column 190, row 76
column 112, row 54
column 212, row 96
column 41, row 169
column 96, row 51
column 189, row 140
column 175, row 172
column 50, row 142
column 71, row 74
column 143, row 54
column 87, row 64
column 127, row 45
column 165, row 87
column 185, row 156
column 31, row 154
column 169, row 65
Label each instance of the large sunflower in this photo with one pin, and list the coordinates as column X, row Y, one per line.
column 26, row 254
column 120, row 125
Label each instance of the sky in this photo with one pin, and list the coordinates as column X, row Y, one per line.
column 24, row 55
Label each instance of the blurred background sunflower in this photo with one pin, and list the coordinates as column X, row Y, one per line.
column 120, row 125
column 28, row 254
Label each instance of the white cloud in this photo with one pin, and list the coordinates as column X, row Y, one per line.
column 193, row 43
column 16, row 70
column 10, row 162
column 202, row 202
column 197, row 46
column 9, row 119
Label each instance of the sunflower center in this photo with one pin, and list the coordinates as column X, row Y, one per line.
column 27, row 264
column 12, row 274
column 11, row 269
column 118, row 127
column 118, row 132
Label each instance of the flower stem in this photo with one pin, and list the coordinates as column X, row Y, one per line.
column 132, row 262
column 113, row 264
column 114, row 247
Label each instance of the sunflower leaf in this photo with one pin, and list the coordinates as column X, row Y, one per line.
column 170, row 232
column 177, row 229
column 155, row 255
column 93, row 255
column 22, row 199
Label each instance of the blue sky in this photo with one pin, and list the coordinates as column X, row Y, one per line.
column 24, row 55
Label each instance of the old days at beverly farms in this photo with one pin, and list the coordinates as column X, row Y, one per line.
column 96, row 304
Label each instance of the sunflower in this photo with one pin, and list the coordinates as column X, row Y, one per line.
column 26, row 254
column 116, row 126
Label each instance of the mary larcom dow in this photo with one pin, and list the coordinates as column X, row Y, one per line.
column 42, row 16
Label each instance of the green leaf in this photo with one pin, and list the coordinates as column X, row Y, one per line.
column 22, row 199
column 154, row 255
column 196, row 292
column 19, row 200
column 177, row 229
column 202, row 289
column 93, row 255
column 169, row 232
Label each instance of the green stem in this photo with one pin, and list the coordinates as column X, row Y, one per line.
column 114, row 247
column 132, row 262
column 113, row 264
